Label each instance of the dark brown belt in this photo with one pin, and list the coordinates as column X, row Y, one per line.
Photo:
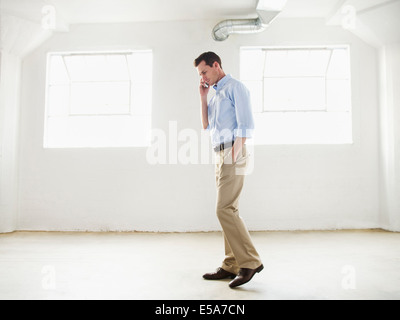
column 224, row 146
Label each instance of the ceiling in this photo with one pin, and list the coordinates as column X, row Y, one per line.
column 378, row 21
column 113, row 11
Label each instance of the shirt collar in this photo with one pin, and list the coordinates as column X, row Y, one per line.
column 222, row 82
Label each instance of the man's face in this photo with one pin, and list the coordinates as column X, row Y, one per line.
column 208, row 74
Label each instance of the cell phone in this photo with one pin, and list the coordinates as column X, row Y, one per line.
column 205, row 85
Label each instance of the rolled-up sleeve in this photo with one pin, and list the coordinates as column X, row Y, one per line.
column 244, row 113
column 210, row 115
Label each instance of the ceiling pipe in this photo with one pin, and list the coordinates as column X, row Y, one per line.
column 224, row 29
column 267, row 11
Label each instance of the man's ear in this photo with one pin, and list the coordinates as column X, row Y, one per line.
column 216, row 65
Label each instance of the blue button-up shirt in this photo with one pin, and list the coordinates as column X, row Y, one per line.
column 229, row 112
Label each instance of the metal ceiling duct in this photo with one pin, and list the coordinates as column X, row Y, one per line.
column 266, row 13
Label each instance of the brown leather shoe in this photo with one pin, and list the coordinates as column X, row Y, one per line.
column 244, row 276
column 220, row 274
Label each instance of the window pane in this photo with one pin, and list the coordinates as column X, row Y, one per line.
column 299, row 63
column 140, row 66
column 142, row 98
column 100, row 98
column 283, row 94
column 276, row 64
column 252, row 66
column 58, row 73
column 97, row 67
column 98, row 132
column 77, row 68
column 58, row 101
column 303, row 127
column 317, row 62
column 305, row 94
column 256, row 89
column 338, row 92
column 116, row 68
column 339, row 67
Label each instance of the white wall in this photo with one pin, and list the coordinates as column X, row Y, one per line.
column 18, row 37
column 10, row 66
column 389, row 64
column 292, row 187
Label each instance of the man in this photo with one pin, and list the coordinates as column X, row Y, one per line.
column 229, row 118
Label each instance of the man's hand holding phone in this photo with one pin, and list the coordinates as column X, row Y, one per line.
column 204, row 88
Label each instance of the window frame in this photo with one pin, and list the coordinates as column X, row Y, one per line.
column 131, row 112
column 331, row 48
column 340, row 114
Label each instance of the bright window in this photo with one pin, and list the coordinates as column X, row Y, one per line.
column 98, row 100
column 300, row 95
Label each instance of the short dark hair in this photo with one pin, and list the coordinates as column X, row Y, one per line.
column 209, row 58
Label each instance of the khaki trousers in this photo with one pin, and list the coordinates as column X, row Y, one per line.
column 239, row 249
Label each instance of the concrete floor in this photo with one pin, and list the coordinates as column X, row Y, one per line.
column 144, row 266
